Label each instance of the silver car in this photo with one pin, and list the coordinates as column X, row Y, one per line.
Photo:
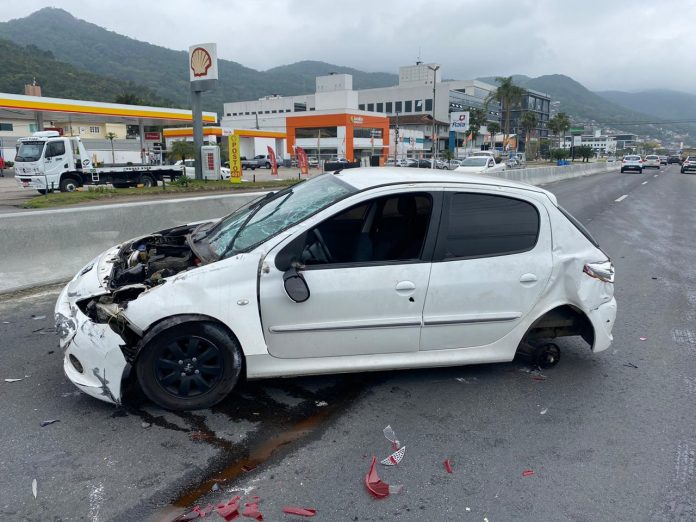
column 632, row 162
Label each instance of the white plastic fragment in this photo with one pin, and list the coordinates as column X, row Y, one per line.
column 391, row 437
column 395, row 489
column 394, row 458
column 321, row 404
column 468, row 508
column 12, row 380
column 38, row 317
column 34, row 487
column 543, row 412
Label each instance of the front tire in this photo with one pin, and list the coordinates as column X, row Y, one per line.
column 68, row 185
column 189, row 366
column 622, row 171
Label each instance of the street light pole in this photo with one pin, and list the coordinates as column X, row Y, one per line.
column 396, row 139
column 434, row 152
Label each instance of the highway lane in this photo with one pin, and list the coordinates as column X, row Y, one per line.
column 615, row 442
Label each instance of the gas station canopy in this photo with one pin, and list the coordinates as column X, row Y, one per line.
column 20, row 107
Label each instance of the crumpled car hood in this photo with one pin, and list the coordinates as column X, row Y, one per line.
column 91, row 280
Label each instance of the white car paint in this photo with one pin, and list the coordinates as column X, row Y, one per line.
column 480, row 165
column 373, row 317
column 190, row 169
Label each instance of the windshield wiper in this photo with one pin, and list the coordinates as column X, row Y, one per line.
column 261, row 204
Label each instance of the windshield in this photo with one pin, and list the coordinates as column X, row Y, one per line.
column 474, row 162
column 253, row 225
column 30, row 151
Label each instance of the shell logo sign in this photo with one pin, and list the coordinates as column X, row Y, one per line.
column 203, row 62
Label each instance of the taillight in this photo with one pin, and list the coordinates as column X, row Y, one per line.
column 604, row 271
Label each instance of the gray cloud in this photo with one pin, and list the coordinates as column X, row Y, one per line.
column 619, row 44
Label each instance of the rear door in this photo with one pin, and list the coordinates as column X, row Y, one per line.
column 492, row 261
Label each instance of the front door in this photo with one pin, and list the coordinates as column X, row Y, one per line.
column 55, row 159
column 367, row 270
column 491, row 263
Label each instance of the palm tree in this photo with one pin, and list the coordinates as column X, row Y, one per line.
column 508, row 95
column 493, row 128
column 477, row 118
column 110, row 136
column 528, row 122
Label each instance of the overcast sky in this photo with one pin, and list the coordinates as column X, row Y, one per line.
column 610, row 44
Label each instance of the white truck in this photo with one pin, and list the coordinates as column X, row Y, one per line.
column 47, row 161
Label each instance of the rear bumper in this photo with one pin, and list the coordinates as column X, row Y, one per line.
column 602, row 319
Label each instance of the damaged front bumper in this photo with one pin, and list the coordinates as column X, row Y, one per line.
column 93, row 359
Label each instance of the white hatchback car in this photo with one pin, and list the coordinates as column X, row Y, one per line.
column 651, row 161
column 479, row 165
column 368, row 269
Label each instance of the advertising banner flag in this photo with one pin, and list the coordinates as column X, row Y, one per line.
column 274, row 162
column 302, row 161
column 235, row 160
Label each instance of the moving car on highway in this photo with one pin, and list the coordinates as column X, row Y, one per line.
column 632, row 162
column 479, row 165
column 689, row 164
column 651, row 161
column 368, row 269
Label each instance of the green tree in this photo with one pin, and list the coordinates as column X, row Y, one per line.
column 111, row 136
column 558, row 154
column 129, row 98
column 477, row 118
column 182, row 150
column 558, row 125
column 509, row 96
column 585, row 152
column 493, row 128
column 528, row 122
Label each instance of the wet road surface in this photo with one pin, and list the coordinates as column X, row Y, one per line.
column 610, row 436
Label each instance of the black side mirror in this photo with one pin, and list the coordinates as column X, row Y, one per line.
column 295, row 285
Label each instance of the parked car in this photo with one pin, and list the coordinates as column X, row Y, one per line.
column 190, row 168
column 611, row 159
column 480, row 165
column 453, row 269
column 651, row 161
column 689, row 164
column 663, row 160
column 248, row 164
column 420, row 164
column 312, row 161
column 632, row 163
column 263, row 161
column 454, row 163
column 407, row 162
column 674, row 159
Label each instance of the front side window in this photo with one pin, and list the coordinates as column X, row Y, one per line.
column 483, row 225
column 55, row 148
column 387, row 229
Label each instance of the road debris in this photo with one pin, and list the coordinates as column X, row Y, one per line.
column 321, row 404
column 527, row 473
column 145, row 425
column 38, row 317
column 196, row 512
column 246, row 468
column 251, row 509
column 643, row 338
column 376, row 486
column 48, row 422
column 448, row 466
column 13, row 380
column 34, row 488
column 215, row 487
column 229, row 510
column 394, row 458
column 630, row 365
column 391, row 437
column 543, row 412
column 302, row 512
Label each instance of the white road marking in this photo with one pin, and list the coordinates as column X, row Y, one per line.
column 644, row 183
column 619, row 200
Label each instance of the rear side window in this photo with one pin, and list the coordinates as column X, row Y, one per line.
column 579, row 226
column 482, row 225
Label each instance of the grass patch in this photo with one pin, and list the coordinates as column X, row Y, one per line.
column 61, row 199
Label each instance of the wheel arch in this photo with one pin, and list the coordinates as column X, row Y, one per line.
column 562, row 320
column 71, row 175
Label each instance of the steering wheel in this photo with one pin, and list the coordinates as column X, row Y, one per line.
column 322, row 244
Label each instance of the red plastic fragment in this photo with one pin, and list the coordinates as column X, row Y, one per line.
column 246, row 468
column 251, row 509
column 303, row 512
column 448, row 466
column 374, row 483
column 230, row 509
column 204, row 512
column 394, row 458
column 527, row 473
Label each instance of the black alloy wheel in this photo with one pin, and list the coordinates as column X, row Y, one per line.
column 189, row 366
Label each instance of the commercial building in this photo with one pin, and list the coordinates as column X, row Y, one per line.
column 537, row 103
column 600, row 144
column 625, row 141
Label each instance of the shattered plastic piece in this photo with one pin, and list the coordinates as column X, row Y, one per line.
column 246, row 468
column 12, row 380
column 396, row 489
column 543, row 412
column 215, row 487
column 527, row 473
column 302, row 512
column 230, row 510
column 34, row 487
column 145, row 425
column 643, row 338
column 38, row 317
column 321, row 404
column 394, row 458
column 468, row 508
column 374, row 483
column 448, row 466
column 391, row 437
column 205, row 511
column 538, row 378
column 49, row 422
column 251, row 509
column 630, row 365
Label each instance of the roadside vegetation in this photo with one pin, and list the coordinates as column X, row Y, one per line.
column 101, row 193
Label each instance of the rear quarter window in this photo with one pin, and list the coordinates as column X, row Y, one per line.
column 483, row 225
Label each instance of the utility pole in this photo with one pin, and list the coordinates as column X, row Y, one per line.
column 434, row 152
column 396, row 139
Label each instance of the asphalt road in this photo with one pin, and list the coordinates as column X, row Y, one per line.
column 610, row 436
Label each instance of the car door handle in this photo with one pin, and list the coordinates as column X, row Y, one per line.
column 528, row 278
column 405, row 286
